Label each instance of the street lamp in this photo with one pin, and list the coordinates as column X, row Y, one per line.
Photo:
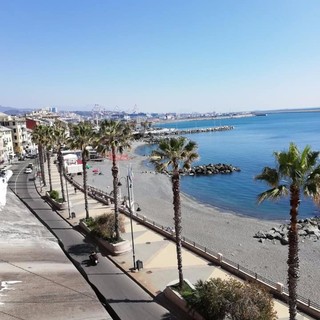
column 130, row 206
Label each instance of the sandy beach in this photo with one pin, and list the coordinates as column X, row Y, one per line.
column 223, row 232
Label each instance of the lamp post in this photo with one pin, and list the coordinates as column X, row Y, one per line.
column 130, row 207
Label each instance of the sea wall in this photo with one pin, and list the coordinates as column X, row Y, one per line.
column 155, row 136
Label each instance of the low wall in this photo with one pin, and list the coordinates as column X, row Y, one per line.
column 57, row 205
column 114, row 248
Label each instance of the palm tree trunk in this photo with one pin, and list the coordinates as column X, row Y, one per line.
column 43, row 176
column 61, row 172
column 49, row 170
column 293, row 257
column 177, row 222
column 115, row 171
column 85, row 191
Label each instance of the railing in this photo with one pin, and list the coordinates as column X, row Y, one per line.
column 277, row 289
column 306, row 305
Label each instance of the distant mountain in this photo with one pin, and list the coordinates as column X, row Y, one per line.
column 15, row 111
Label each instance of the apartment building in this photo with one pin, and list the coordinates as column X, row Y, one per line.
column 21, row 140
column 6, row 146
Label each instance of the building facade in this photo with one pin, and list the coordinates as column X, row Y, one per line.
column 20, row 138
column 6, row 146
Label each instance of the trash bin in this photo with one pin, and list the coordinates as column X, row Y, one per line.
column 139, row 264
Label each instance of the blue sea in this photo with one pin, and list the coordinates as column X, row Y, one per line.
column 249, row 146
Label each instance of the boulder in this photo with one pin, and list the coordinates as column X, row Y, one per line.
column 260, row 234
column 284, row 240
column 307, row 229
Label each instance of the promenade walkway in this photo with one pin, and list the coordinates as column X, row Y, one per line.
column 157, row 253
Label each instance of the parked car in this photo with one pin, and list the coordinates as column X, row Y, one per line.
column 27, row 170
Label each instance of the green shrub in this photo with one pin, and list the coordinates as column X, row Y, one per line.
column 103, row 226
column 89, row 222
column 220, row 299
column 54, row 194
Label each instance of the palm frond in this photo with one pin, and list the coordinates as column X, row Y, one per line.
column 270, row 176
column 312, row 185
column 113, row 134
column 273, row 194
column 174, row 153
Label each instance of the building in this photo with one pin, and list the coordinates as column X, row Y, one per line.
column 6, row 146
column 20, row 138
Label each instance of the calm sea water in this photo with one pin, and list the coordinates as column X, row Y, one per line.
column 250, row 147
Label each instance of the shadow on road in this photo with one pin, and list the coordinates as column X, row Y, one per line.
column 81, row 249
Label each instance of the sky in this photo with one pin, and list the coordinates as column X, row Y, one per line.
column 160, row 55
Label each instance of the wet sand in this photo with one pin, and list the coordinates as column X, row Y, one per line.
column 220, row 231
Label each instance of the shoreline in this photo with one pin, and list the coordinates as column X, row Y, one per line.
column 218, row 230
column 195, row 202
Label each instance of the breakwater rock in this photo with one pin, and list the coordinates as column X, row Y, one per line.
column 219, row 168
column 208, row 169
column 307, row 229
column 156, row 135
column 200, row 130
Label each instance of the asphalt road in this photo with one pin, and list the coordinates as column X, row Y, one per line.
column 122, row 297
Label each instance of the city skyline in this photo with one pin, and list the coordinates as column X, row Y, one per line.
column 168, row 56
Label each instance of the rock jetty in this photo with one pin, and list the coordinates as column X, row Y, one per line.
column 156, row 135
column 308, row 229
column 219, row 168
column 200, row 130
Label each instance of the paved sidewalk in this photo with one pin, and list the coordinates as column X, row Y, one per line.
column 157, row 253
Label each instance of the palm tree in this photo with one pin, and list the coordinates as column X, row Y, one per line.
column 171, row 154
column 60, row 140
column 296, row 172
column 47, row 140
column 38, row 139
column 114, row 136
column 145, row 126
column 82, row 136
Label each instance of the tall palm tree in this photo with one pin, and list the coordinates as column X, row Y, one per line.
column 145, row 126
column 296, row 172
column 60, row 140
column 83, row 136
column 48, row 140
column 38, row 138
column 172, row 154
column 114, row 136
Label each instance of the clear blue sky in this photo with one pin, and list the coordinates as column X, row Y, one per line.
column 160, row 55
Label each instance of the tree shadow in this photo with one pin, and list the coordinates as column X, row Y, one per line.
column 81, row 249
